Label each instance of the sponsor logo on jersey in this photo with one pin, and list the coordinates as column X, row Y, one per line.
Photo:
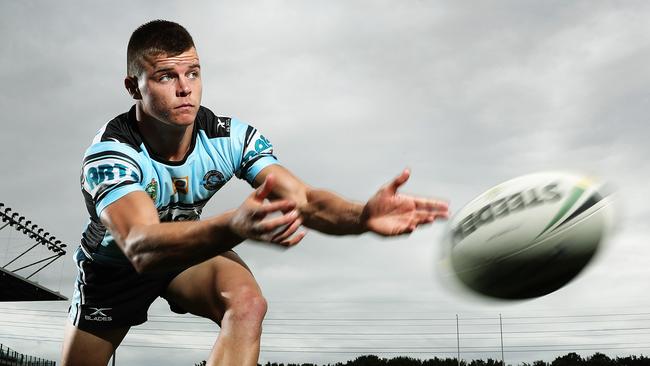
column 192, row 213
column 152, row 189
column 181, row 184
column 261, row 145
column 502, row 207
column 99, row 315
column 101, row 174
column 213, row 180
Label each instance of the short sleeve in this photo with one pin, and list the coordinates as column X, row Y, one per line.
column 110, row 171
column 253, row 151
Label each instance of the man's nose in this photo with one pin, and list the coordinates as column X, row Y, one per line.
column 183, row 88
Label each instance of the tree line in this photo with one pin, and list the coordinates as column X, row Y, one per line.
column 570, row 359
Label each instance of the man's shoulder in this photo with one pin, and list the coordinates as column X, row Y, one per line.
column 120, row 129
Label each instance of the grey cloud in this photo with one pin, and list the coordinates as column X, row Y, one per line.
column 466, row 94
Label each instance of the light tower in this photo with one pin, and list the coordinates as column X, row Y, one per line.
column 18, row 287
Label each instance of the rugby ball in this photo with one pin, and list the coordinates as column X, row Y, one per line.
column 529, row 236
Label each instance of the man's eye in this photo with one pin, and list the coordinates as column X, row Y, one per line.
column 193, row 75
column 165, row 78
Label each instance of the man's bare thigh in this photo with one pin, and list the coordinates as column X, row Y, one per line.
column 90, row 348
column 208, row 288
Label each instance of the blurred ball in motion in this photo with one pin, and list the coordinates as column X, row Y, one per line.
column 529, row 236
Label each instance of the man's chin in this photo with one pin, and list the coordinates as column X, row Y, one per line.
column 183, row 120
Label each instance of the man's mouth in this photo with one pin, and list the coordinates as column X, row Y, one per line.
column 185, row 105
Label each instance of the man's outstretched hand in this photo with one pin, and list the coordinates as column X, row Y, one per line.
column 389, row 213
column 251, row 220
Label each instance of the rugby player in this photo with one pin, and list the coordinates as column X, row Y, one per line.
column 145, row 179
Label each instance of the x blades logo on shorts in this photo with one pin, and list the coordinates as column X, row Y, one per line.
column 100, row 311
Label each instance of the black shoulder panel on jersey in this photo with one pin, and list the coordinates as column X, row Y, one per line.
column 123, row 129
column 90, row 205
column 250, row 134
column 214, row 126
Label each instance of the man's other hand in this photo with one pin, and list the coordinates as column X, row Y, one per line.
column 254, row 219
column 388, row 213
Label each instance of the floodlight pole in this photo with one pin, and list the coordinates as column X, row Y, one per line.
column 54, row 257
column 23, row 253
column 457, row 341
column 503, row 361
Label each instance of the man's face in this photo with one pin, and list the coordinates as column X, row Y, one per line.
column 171, row 87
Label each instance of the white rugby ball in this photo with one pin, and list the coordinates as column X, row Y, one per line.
column 528, row 236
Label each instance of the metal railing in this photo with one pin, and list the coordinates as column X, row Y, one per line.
column 9, row 357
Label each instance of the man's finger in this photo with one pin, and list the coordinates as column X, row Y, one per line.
column 399, row 180
column 287, row 232
column 294, row 239
column 440, row 215
column 263, row 191
column 283, row 206
column 430, row 205
column 424, row 217
column 269, row 225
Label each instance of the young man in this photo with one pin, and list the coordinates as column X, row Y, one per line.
column 145, row 179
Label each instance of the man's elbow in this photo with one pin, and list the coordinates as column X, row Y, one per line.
column 138, row 258
column 140, row 264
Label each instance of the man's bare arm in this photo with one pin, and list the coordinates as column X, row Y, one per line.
column 154, row 246
column 387, row 213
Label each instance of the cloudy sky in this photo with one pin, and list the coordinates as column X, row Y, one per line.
column 466, row 94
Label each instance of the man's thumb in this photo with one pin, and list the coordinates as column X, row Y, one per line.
column 265, row 189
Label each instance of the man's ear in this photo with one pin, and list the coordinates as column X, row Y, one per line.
column 131, row 85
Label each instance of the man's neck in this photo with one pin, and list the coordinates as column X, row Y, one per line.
column 168, row 142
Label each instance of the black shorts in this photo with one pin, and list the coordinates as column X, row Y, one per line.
column 110, row 296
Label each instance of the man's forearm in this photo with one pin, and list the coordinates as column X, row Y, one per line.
column 330, row 214
column 177, row 245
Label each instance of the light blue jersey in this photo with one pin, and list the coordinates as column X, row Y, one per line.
column 119, row 162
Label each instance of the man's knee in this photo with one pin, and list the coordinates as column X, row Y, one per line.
column 247, row 305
